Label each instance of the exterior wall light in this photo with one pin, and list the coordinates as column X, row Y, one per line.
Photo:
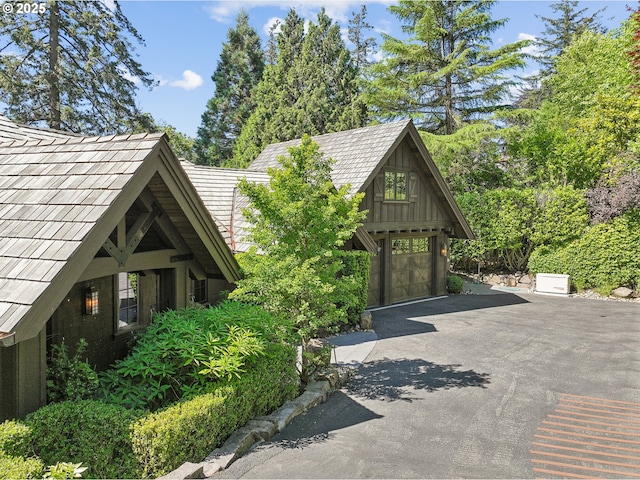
column 91, row 301
column 443, row 249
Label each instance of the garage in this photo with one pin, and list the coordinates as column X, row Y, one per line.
column 410, row 262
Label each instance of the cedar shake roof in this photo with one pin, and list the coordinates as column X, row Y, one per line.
column 218, row 189
column 358, row 153
column 10, row 132
column 59, row 201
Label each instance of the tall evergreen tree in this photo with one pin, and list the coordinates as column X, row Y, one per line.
column 560, row 30
column 363, row 46
column 71, row 67
column 239, row 70
column 445, row 74
column 312, row 88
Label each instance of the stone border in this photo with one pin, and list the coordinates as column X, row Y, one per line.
column 261, row 429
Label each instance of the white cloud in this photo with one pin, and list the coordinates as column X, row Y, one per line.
column 190, row 81
column 531, row 49
column 338, row 10
column 131, row 78
column 161, row 81
column 266, row 28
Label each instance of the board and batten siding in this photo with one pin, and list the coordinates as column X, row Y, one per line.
column 423, row 207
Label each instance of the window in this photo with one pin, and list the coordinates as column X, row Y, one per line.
column 400, row 246
column 403, row 246
column 395, row 186
column 127, row 299
column 198, row 290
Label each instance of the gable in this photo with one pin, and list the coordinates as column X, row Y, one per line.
column 361, row 154
column 60, row 200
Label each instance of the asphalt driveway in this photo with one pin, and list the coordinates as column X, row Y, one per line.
column 472, row 387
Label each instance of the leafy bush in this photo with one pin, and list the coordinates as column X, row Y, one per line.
column 19, row 467
column 357, row 264
column 16, row 439
column 190, row 429
column 70, row 378
column 609, row 200
column 454, row 284
column 64, row 470
column 604, row 258
column 182, row 352
column 510, row 223
column 87, row 431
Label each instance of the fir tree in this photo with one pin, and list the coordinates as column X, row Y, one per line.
column 561, row 29
column 71, row 67
column 362, row 46
column 445, row 74
column 239, row 70
column 311, row 89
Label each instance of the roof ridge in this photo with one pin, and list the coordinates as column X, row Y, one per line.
column 83, row 139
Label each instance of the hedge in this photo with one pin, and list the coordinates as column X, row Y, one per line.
column 358, row 264
column 87, row 431
column 606, row 257
column 191, row 429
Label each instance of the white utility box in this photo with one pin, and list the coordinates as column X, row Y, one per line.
column 552, row 284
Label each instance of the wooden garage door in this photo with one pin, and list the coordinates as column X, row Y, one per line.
column 411, row 267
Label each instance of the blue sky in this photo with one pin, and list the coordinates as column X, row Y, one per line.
column 183, row 40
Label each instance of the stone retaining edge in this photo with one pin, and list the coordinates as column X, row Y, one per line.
column 261, row 429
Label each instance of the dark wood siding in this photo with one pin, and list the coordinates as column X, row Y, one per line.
column 422, row 210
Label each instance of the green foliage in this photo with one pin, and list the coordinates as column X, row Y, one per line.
column 605, row 257
column 19, row 467
column 444, row 75
column 311, row 89
column 181, row 352
column 64, row 470
column 190, row 429
column 357, row 264
column 16, row 439
column 589, row 124
column 300, row 221
column 72, row 66
column 510, row 223
column 237, row 73
column 87, row 431
column 454, row 284
column 70, row 378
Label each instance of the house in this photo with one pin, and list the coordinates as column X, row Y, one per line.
column 411, row 212
column 96, row 234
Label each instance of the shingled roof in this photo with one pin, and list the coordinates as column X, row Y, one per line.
column 10, row 131
column 218, row 190
column 61, row 198
column 358, row 153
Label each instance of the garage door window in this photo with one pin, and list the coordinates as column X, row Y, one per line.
column 403, row 246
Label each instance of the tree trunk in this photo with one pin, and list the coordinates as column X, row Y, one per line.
column 52, row 77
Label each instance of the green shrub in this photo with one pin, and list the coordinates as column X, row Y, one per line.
column 19, row 467
column 16, row 439
column 604, row 258
column 190, row 429
column 182, row 352
column 70, row 378
column 358, row 264
column 454, row 284
column 87, row 431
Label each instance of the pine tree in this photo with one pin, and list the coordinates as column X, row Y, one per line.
column 239, row 70
column 71, row 67
column 311, row 89
column 362, row 47
column 445, row 74
column 560, row 30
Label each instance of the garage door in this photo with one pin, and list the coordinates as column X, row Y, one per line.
column 411, row 267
